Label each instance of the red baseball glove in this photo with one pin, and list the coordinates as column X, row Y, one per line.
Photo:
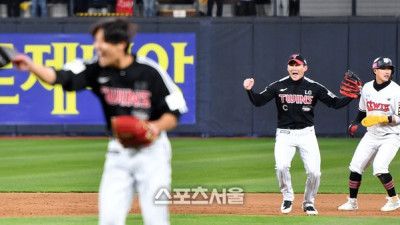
column 132, row 132
column 351, row 85
column 352, row 129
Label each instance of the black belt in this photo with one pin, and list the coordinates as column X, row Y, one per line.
column 294, row 128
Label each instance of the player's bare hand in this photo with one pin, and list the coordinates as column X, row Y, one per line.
column 22, row 62
column 248, row 83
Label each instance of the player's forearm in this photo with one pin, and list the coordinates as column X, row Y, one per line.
column 256, row 99
column 360, row 116
column 166, row 122
column 46, row 74
column 25, row 63
column 394, row 119
column 250, row 94
column 341, row 102
column 379, row 119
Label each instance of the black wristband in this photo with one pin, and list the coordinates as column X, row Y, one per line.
column 390, row 119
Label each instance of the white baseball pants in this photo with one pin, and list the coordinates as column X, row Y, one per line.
column 287, row 141
column 381, row 149
column 127, row 171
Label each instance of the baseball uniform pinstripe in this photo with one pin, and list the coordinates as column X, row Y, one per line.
column 295, row 98
column 287, row 141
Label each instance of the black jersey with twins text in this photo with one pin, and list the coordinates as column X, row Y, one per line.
column 139, row 90
column 295, row 101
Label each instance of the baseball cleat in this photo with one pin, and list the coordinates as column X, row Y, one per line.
column 392, row 204
column 286, row 207
column 350, row 205
column 310, row 210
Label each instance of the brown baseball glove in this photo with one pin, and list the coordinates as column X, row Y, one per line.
column 133, row 132
column 351, row 85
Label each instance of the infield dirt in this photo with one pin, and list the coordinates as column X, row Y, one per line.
column 84, row 204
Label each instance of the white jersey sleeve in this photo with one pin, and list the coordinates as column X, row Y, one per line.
column 361, row 104
column 397, row 109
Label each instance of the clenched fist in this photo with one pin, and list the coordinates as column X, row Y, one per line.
column 248, row 83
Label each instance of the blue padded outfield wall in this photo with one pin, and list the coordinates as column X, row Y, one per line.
column 208, row 58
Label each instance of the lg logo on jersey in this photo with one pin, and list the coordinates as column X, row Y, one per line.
column 373, row 106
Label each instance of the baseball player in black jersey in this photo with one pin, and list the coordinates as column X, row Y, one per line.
column 126, row 85
column 295, row 98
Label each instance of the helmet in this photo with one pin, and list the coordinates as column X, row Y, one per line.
column 382, row 62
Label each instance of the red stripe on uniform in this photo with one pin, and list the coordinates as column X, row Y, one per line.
column 389, row 185
column 354, row 184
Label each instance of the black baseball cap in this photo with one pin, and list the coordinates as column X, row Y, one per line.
column 298, row 59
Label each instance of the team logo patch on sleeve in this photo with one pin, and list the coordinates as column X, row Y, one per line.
column 176, row 101
column 76, row 66
column 331, row 94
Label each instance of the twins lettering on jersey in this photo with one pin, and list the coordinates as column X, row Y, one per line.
column 298, row 99
column 373, row 106
column 127, row 97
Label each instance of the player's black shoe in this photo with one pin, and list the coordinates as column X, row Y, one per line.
column 286, row 206
column 310, row 210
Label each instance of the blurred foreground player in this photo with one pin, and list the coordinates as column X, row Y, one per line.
column 130, row 89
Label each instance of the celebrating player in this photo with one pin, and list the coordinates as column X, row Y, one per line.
column 379, row 110
column 127, row 85
column 295, row 97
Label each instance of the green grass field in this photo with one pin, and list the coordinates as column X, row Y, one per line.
column 75, row 165
column 211, row 220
